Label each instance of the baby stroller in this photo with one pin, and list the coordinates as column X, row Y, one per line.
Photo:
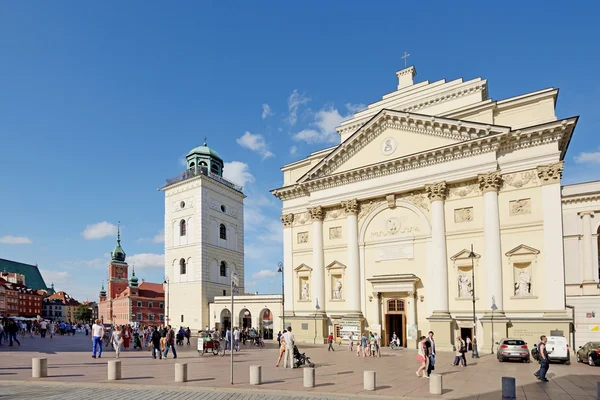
column 301, row 359
column 179, row 338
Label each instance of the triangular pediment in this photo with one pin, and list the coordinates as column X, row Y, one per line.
column 392, row 135
column 522, row 250
column 335, row 265
column 463, row 255
column 302, row 267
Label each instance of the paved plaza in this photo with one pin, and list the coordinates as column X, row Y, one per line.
column 72, row 372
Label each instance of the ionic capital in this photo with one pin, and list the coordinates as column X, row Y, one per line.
column 436, row 191
column 586, row 213
column 287, row 219
column 490, row 182
column 316, row 213
column 350, row 206
column 549, row 174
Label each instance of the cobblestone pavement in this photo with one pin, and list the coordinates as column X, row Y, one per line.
column 339, row 374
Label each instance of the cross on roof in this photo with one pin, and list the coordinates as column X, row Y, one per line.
column 405, row 56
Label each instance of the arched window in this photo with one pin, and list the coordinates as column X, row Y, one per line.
column 223, row 269
column 214, row 168
column 192, row 165
column 395, row 305
column 182, row 267
column 222, row 232
column 182, row 228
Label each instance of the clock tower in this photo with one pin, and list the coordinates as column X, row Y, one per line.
column 117, row 270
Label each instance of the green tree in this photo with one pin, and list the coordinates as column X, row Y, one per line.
column 83, row 313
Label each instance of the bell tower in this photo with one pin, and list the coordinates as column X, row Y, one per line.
column 117, row 270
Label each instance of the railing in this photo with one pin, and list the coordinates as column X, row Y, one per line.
column 194, row 172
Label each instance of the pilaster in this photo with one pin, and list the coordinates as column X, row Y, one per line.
column 588, row 259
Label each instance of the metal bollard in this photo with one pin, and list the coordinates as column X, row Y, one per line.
column 369, row 380
column 114, row 370
column 255, row 375
column 309, row 377
column 435, row 384
column 509, row 388
column 181, row 372
column 39, row 367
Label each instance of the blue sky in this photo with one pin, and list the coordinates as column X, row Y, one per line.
column 99, row 102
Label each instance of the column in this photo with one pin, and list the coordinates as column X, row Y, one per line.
column 489, row 185
column 352, row 277
column 377, row 316
column 288, row 267
column 411, row 319
column 553, row 253
column 438, row 296
column 318, row 272
column 588, row 255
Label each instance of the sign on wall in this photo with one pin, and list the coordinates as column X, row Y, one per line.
column 398, row 252
column 347, row 327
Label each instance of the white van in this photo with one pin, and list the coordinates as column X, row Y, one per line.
column 558, row 349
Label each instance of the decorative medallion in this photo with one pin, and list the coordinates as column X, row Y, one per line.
column 520, row 207
column 388, row 146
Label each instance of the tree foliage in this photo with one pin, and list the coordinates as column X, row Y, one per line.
column 83, row 313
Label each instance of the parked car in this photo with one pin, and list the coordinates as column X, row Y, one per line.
column 513, row 349
column 558, row 349
column 590, row 353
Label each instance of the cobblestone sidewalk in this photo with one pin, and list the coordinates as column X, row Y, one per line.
column 70, row 391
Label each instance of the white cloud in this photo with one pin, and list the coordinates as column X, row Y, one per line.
column 588, row 158
column 59, row 278
column 237, row 172
column 249, row 284
column 264, row 273
column 257, row 200
column 295, row 100
column 353, row 108
column 266, row 111
column 323, row 131
column 99, row 231
column 158, row 238
column 147, row 260
column 8, row 239
column 293, row 150
column 256, row 143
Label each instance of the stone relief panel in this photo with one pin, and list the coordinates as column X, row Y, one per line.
column 418, row 199
column 465, row 287
column 399, row 222
column 463, row 214
column 301, row 219
column 519, row 207
column 335, row 232
column 334, row 213
column 302, row 237
column 367, row 206
column 520, row 180
column 461, row 190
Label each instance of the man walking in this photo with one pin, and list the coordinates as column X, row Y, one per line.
column 43, row 328
column 544, row 361
column 170, row 342
column 330, row 341
column 97, row 336
column 289, row 339
column 155, row 337
column 236, row 339
column 431, row 351
column 351, row 341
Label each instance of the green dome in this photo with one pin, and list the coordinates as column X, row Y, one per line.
column 118, row 254
column 133, row 282
column 204, row 150
column 102, row 291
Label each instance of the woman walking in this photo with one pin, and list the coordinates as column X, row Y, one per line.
column 422, row 357
column 117, row 341
column 126, row 337
column 281, row 350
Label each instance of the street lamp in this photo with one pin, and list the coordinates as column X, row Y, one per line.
column 280, row 269
column 166, row 282
column 475, row 353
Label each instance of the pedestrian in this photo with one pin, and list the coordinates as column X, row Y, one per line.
column 228, row 339
column 52, row 329
column 377, row 339
column 290, row 340
column 97, row 335
column 350, row 341
column 236, row 339
column 278, row 338
column 544, row 361
column 460, row 349
column 363, row 345
column 281, row 342
column 469, row 347
column 170, row 343
column 156, row 343
column 330, row 341
column 430, row 353
column 43, row 328
column 188, row 334
column 13, row 329
column 117, row 341
column 422, row 356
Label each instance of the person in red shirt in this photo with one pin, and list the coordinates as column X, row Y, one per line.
column 330, row 341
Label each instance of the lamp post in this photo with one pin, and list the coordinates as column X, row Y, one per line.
column 280, row 269
column 475, row 353
column 494, row 308
column 316, row 311
column 166, row 282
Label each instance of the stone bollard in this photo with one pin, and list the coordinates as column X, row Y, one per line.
column 181, row 372
column 435, row 384
column 598, row 390
column 255, row 375
column 39, row 367
column 509, row 388
column 370, row 380
column 114, row 370
column 309, row 377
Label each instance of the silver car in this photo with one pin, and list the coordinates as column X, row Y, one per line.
column 513, row 349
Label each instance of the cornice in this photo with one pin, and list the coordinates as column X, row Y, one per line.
column 581, row 199
column 452, row 94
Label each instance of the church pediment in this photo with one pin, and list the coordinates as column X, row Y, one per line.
column 522, row 250
column 392, row 135
column 335, row 265
column 463, row 255
column 303, row 268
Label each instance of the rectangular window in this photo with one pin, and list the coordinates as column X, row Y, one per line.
column 161, row 305
column 304, row 327
column 224, row 292
column 151, row 317
column 150, row 304
column 139, row 303
column 139, row 316
column 162, row 317
column 181, row 317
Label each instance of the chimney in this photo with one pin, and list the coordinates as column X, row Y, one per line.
column 405, row 77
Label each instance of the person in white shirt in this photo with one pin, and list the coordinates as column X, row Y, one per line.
column 236, row 339
column 350, row 341
column 43, row 328
column 97, row 336
column 288, row 361
column 117, row 341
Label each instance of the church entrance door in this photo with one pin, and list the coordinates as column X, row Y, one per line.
column 395, row 321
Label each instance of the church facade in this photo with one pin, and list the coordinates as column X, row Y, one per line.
column 204, row 238
column 436, row 196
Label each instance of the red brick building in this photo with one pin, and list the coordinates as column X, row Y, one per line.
column 126, row 301
column 19, row 300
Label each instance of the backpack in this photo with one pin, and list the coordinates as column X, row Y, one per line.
column 156, row 336
column 535, row 353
